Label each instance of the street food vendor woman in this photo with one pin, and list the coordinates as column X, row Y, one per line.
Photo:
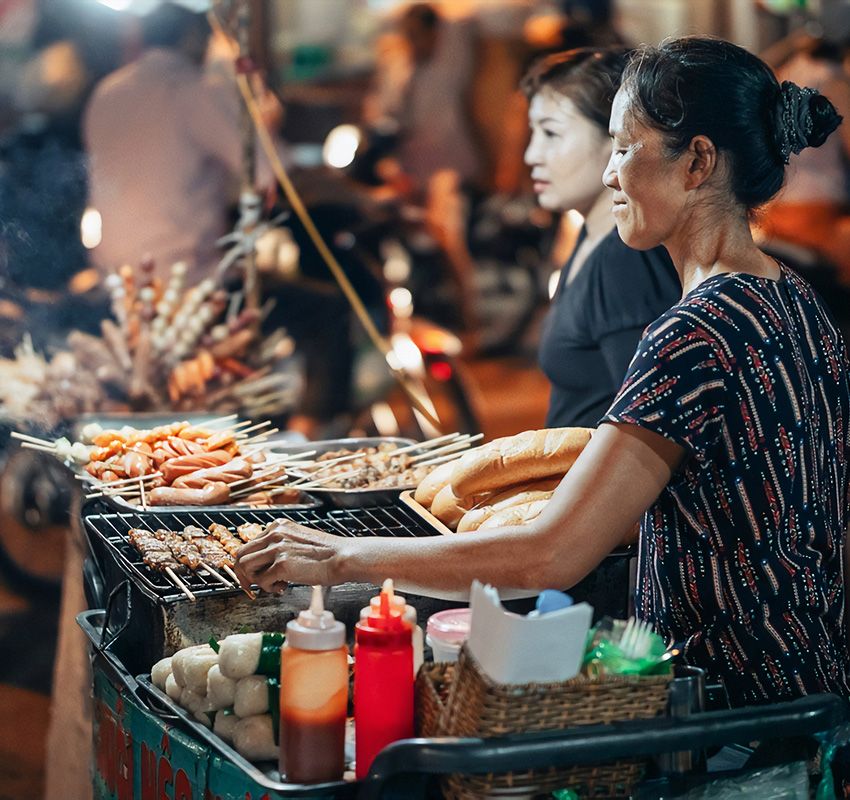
column 730, row 432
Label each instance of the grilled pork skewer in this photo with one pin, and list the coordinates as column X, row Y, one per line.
column 156, row 554
column 209, row 547
column 231, row 545
column 228, row 541
column 250, row 531
column 185, row 552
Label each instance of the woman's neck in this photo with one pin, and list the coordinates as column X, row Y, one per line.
column 598, row 221
column 713, row 243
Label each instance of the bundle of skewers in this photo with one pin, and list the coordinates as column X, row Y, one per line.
column 194, row 550
column 183, row 465
column 168, row 347
column 385, row 466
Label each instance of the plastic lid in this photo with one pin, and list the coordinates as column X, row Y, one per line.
column 397, row 604
column 315, row 628
column 451, row 626
column 385, row 625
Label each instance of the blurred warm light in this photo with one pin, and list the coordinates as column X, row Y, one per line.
column 404, row 354
column 84, row 281
column 575, row 219
column 402, row 301
column 553, row 282
column 91, row 228
column 341, row 145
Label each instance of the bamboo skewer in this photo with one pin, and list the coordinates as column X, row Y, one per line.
column 260, row 437
column 217, row 575
column 433, row 462
column 239, row 426
column 180, row 585
column 260, row 473
column 428, row 443
column 307, row 483
column 41, row 448
column 235, row 577
column 25, row 437
column 244, row 492
column 221, row 420
column 255, row 427
column 453, row 447
column 120, row 481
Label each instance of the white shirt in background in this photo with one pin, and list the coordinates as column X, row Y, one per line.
column 164, row 147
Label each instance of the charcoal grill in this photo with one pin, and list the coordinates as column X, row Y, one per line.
column 151, row 617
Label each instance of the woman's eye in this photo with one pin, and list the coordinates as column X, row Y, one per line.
column 550, row 134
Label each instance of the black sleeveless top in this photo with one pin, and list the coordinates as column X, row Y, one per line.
column 595, row 322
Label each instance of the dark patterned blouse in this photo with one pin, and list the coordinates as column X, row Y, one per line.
column 741, row 556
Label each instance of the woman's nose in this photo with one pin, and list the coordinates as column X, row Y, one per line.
column 609, row 176
column 532, row 152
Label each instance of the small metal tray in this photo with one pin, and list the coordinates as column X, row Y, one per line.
column 265, row 773
column 348, row 498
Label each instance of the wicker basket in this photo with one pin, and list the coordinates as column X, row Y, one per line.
column 459, row 700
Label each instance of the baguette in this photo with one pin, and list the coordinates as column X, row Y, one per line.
column 435, row 480
column 514, row 496
column 449, row 509
column 515, row 515
column 525, row 457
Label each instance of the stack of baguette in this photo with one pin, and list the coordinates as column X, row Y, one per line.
column 505, row 482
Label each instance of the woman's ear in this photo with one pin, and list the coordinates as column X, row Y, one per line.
column 701, row 159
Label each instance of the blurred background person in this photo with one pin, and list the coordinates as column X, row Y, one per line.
column 422, row 91
column 607, row 293
column 164, row 143
column 813, row 209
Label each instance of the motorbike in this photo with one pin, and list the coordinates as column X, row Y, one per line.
column 369, row 244
column 507, row 237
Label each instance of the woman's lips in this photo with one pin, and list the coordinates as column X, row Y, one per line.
column 541, row 186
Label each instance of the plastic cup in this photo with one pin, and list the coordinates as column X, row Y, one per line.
column 446, row 632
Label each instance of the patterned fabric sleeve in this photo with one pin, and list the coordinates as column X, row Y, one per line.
column 676, row 384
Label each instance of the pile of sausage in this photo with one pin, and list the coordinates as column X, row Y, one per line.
column 191, row 466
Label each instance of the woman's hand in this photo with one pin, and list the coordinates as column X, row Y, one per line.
column 288, row 553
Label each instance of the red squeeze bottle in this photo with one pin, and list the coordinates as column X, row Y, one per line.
column 383, row 681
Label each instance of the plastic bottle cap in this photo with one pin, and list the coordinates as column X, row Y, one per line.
column 315, row 628
column 451, row 626
column 385, row 625
column 397, row 604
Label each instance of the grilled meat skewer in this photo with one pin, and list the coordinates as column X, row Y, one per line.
column 250, row 531
column 209, row 547
column 156, row 554
column 230, row 542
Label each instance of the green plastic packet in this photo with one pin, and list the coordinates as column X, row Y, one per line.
column 604, row 656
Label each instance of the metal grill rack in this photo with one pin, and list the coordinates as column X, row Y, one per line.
column 111, row 528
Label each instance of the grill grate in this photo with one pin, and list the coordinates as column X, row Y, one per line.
column 111, row 528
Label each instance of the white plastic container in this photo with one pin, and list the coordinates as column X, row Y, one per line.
column 446, row 632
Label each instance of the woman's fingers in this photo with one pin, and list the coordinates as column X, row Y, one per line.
column 286, row 553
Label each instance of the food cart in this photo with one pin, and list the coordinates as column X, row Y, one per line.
column 146, row 745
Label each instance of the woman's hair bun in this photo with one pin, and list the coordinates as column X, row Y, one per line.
column 804, row 118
